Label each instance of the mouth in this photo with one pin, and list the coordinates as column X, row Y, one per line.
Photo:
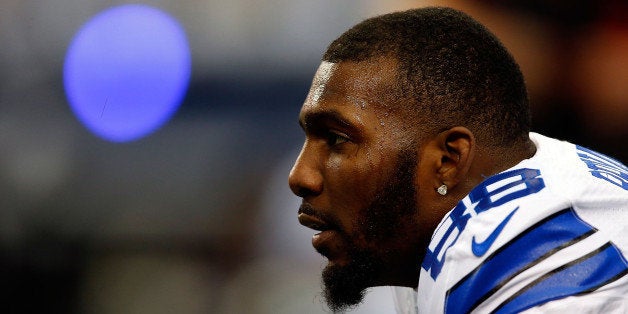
column 313, row 222
column 326, row 241
column 314, row 219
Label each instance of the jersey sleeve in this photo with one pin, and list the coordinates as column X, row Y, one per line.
column 559, row 257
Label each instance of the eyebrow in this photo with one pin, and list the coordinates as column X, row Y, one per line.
column 316, row 118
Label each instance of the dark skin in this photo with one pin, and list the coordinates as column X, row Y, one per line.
column 353, row 139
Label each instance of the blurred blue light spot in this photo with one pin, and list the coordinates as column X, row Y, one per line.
column 127, row 71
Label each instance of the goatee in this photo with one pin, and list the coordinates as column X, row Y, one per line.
column 345, row 286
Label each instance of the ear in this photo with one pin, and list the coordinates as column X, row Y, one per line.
column 456, row 150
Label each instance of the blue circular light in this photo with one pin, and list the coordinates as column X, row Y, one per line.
column 127, row 71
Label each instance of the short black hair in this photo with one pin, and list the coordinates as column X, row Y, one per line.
column 451, row 65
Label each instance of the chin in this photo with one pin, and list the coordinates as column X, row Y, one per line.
column 340, row 290
column 345, row 281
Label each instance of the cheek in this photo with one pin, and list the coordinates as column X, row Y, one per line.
column 334, row 163
column 352, row 182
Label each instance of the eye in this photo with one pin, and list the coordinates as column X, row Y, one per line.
column 334, row 138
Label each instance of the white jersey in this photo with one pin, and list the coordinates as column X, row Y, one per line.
column 549, row 235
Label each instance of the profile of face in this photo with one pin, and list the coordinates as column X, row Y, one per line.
column 357, row 176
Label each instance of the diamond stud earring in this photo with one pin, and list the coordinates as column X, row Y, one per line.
column 442, row 190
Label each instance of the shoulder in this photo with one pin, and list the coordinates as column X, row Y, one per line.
column 593, row 185
column 611, row 298
column 555, row 258
column 573, row 169
column 544, row 231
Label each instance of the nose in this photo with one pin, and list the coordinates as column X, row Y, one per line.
column 305, row 179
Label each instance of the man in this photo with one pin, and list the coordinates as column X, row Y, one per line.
column 419, row 170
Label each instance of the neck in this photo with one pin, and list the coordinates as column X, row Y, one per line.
column 492, row 160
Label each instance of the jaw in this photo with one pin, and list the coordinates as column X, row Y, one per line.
column 346, row 280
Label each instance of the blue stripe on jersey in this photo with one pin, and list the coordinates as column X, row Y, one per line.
column 581, row 276
column 527, row 249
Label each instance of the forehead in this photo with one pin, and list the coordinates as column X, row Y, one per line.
column 356, row 88
column 369, row 82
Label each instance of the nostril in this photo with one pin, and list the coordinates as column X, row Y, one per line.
column 303, row 188
column 303, row 192
column 296, row 186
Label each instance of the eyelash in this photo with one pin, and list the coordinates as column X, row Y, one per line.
column 334, row 138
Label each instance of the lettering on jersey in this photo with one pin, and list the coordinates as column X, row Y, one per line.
column 604, row 167
column 495, row 191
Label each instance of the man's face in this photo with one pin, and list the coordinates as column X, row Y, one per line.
column 356, row 175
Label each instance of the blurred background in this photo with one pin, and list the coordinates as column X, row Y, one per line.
column 197, row 217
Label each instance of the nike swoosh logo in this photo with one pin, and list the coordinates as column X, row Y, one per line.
column 481, row 248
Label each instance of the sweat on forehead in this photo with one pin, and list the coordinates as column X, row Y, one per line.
column 370, row 88
column 372, row 82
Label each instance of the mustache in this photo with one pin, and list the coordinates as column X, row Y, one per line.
column 308, row 209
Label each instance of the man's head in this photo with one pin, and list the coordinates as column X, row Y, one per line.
column 401, row 104
column 448, row 64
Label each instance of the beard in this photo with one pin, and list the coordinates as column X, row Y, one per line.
column 344, row 286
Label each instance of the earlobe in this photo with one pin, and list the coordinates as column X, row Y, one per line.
column 457, row 149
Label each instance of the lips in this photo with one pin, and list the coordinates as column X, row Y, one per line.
column 322, row 241
column 314, row 218
column 313, row 222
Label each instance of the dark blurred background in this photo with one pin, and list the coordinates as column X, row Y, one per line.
column 197, row 216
